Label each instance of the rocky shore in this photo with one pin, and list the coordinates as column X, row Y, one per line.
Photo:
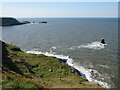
column 23, row 70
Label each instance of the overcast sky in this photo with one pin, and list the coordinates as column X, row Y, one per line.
column 60, row 9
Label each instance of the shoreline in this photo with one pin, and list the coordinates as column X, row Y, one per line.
column 64, row 61
column 70, row 62
column 52, row 77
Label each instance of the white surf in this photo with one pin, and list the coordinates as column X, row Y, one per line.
column 94, row 45
column 75, row 65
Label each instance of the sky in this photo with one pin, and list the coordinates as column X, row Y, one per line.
column 59, row 0
column 59, row 9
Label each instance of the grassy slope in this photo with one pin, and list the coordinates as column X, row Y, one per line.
column 22, row 70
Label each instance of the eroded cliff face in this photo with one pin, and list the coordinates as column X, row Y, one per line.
column 9, row 21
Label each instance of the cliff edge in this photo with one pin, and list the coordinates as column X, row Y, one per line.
column 22, row 70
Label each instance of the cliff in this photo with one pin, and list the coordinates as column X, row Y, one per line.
column 9, row 21
column 21, row 70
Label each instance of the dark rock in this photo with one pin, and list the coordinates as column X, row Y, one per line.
column 28, row 76
column 15, row 49
column 103, row 41
column 79, row 73
column 62, row 61
column 25, row 22
column 9, row 21
column 33, row 66
column 43, row 22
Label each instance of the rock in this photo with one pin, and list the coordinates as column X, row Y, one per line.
column 43, row 22
column 13, row 55
column 62, row 61
column 72, row 70
column 9, row 21
column 50, row 70
column 15, row 49
column 33, row 66
column 25, row 22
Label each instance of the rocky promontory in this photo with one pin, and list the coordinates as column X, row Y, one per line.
column 9, row 21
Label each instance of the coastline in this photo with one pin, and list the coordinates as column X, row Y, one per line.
column 33, row 68
column 79, row 70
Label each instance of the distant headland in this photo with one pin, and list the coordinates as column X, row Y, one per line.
column 10, row 21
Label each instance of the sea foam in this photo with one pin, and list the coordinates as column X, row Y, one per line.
column 75, row 65
column 94, row 45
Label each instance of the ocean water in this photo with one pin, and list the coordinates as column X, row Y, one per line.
column 74, row 39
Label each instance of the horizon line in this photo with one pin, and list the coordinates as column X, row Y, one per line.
column 53, row 17
column 72, row 17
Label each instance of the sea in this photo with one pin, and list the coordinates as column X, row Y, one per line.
column 76, row 40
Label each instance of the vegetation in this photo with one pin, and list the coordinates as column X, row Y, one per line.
column 22, row 70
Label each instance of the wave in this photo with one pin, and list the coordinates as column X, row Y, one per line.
column 104, row 66
column 94, row 45
column 53, row 47
column 89, row 73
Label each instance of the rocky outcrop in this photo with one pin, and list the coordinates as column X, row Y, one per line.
column 25, row 22
column 43, row 22
column 9, row 21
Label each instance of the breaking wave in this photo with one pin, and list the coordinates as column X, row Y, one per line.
column 53, row 47
column 93, row 45
column 89, row 73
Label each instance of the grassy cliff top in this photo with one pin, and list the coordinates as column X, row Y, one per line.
column 22, row 70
